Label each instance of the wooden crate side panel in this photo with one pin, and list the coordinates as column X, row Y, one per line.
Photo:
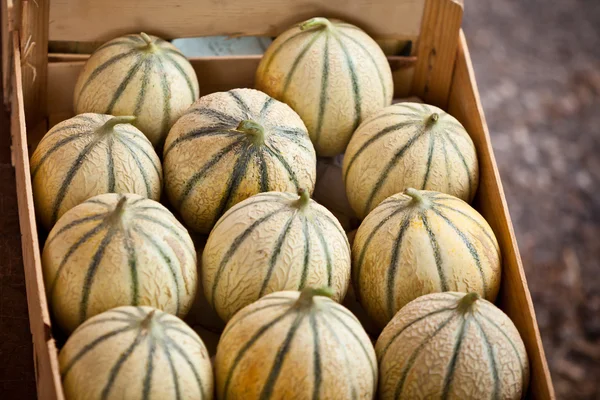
column 514, row 297
column 46, row 354
column 92, row 20
column 7, row 27
column 436, row 50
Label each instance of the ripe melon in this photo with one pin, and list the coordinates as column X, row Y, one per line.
column 116, row 250
column 87, row 155
column 135, row 353
column 139, row 75
column 421, row 242
column 291, row 345
column 409, row 145
column 332, row 74
column 229, row 146
column 271, row 242
column 451, row 346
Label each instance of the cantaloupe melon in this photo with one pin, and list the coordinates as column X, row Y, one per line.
column 409, row 145
column 115, row 250
column 135, row 353
column 421, row 242
column 291, row 345
column 271, row 242
column 138, row 75
column 332, row 74
column 451, row 346
column 229, row 146
column 87, row 155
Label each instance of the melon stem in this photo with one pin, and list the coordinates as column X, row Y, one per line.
column 306, row 296
column 118, row 211
column 416, row 196
column 466, row 303
column 252, row 128
column 304, row 198
column 316, row 22
column 145, row 324
column 110, row 124
column 433, row 118
column 149, row 42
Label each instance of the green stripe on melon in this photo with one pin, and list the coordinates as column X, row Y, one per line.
column 140, row 351
column 332, row 74
column 230, row 146
column 138, row 75
column 409, row 145
column 451, row 345
column 118, row 250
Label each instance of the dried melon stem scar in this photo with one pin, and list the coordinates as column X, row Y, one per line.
column 316, row 22
column 119, row 208
column 306, row 296
column 110, row 124
column 252, row 128
column 147, row 321
column 466, row 304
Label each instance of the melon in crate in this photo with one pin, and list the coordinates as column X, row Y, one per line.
column 135, row 352
column 332, row 74
column 451, row 346
column 409, row 145
column 420, row 242
column 115, row 250
column 87, row 155
column 139, row 75
column 272, row 242
column 229, row 146
column 292, row 345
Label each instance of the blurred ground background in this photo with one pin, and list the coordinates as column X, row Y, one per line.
column 537, row 64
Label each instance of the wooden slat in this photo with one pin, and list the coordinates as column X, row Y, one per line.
column 436, row 50
column 93, row 20
column 46, row 360
column 514, row 297
column 34, row 32
column 7, row 28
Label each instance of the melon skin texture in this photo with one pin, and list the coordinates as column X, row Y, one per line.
column 138, row 75
column 454, row 346
column 115, row 250
column 420, row 242
column 232, row 145
column 272, row 242
column 289, row 345
column 87, row 155
column 135, row 353
column 409, row 145
column 332, row 74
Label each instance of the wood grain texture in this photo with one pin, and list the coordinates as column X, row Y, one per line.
column 46, row 361
column 34, row 32
column 514, row 297
column 86, row 20
column 436, row 50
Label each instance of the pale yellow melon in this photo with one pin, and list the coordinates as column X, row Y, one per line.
column 409, row 145
column 289, row 345
column 271, row 242
column 115, row 250
column 332, row 74
column 451, row 346
column 139, row 75
column 229, row 146
column 87, row 155
column 135, row 353
column 420, row 242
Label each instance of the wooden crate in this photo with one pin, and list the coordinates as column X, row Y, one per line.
column 439, row 71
